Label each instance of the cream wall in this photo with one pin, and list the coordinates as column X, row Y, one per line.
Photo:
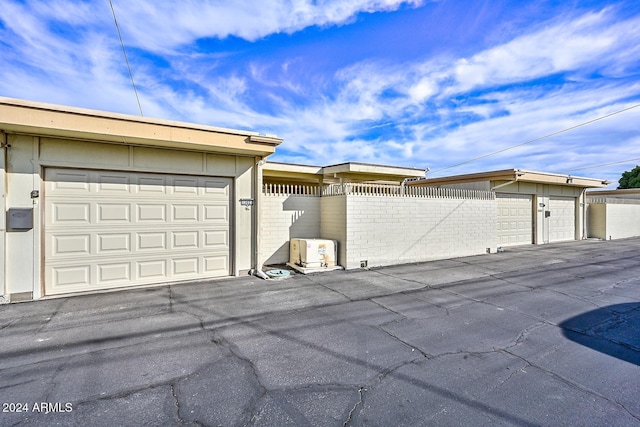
column 333, row 224
column 597, row 219
column 283, row 217
column 22, row 260
column 614, row 221
column 394, row 230
column 27, row 156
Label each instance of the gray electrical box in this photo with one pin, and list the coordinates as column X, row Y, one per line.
column 20, row 219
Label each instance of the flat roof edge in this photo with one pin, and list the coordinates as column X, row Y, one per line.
column 13, row 102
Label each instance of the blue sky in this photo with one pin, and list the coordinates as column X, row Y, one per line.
column 411, row 83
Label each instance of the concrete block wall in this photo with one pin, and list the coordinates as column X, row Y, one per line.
column 283, row 217
column 614, row 220
column 395, row 230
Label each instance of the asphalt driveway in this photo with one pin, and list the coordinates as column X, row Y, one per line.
column 546, row 335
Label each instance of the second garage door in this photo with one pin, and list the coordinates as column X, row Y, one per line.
column 562, row 222
column 515, row 219
column 108, row 229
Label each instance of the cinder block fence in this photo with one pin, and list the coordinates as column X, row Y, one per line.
column 379, row 224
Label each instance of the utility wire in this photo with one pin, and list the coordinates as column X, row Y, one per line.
column 540, row 138
column 605, row 164
column 125, row 57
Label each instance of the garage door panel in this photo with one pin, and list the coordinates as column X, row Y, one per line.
column 216, row 213
column 215, row 264
column 71, row 181
column 117, row 272
column 216, row 238
column 185, row 240
column 113, row 212
column 152, row 241
column 113, row 243
column 186, row 213
column 152, row 185
column 215, row 186
column 74, row 276
column 70, row 213
column 151, row 212
column 113, row 184
column 114, row 229
column 185, row 186
column 185, row 266
column 153, row 269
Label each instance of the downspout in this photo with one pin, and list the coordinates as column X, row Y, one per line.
column 257, row 185
column 584, row 214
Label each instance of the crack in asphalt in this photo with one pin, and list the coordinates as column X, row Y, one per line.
column 252, row 410
column 50, row 318
column 170, row 299
column 11, row 322
column 176, row 401
column 360, row 401
column 53, row 382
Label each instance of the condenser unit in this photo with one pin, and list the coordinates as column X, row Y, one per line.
column 313, row 253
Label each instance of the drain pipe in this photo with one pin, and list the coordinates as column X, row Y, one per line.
column 585, row 231
column 257, row 185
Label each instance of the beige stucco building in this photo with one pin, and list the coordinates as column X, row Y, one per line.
column 532, row 207
column 100, row 201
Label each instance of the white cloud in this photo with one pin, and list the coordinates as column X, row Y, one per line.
column 592, row 41
column 165, row 26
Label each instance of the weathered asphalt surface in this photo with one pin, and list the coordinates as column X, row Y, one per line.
column 546, row 335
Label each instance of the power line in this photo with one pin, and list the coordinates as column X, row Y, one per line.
column 604, row 164
column 125, row 57
column 540, row 138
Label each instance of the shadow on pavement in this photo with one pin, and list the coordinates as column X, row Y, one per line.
column 612, row 330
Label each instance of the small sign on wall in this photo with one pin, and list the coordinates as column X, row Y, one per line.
column 246, row 202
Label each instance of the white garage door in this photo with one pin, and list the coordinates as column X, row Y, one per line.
column 515, row 219
column 106, row 229
column 562, row 222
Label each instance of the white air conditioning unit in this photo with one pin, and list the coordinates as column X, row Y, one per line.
column 313, row 253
